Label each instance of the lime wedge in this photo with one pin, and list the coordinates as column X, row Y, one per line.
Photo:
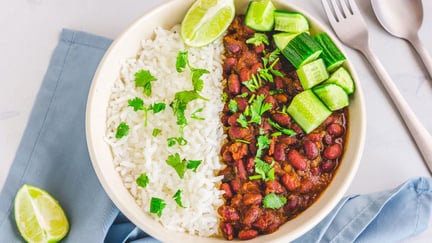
column 39, row 216
column 206, row 20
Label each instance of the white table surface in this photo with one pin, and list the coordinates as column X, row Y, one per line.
column 30, row 31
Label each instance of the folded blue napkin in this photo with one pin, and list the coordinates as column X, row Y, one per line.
column 53, row 155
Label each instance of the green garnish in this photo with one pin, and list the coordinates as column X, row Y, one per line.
column 137, row 104
column 122, row 130
column 258, row 39
column 156, row 131
column 242, row 121
column 264, row 171
column 233, row 106
column 278, row 127
column 178, row 199
column 176, row 140
column 197, row 82
column 224, row 97
column 181, row 61
column 142, row 180
column 193, row 165
column 257, row 109
column 263, row 142
column 267, row 72
column 274, row 201
column 180, row 165
column 195, row 116
column 179, row 105
column 157, row 107
column 242, row 141
column 157, row 205
column 143, row 78
column 254, row 84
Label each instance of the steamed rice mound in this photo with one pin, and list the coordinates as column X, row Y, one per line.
column 140, row 152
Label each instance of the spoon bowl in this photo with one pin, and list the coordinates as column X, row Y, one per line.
column 403, row 19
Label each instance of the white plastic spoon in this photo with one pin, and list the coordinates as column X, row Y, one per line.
column 403, row 19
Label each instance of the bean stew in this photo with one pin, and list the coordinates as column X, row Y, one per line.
column 274, row 171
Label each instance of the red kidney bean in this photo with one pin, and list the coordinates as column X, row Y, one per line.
column 259, row 49
column 235, row 185
column 242, row 103
column 234, row 84
column 291, row 182
column 279, row 152
column 235, row 132
column 306, row 186
column 250, row 187
column 328, row 139
column 271, row 100
column 250, row 165
column 279, row 83
column 297, row 160
column 315, row 171
column 328, row 166
column 335, row 130
column 314, row 137
column 265, row 125
column 332, row 151
column 281, row 118
column 263, row 90
column 228, row 213
column 227, row 230
column 228, row 193
column 273, row 186
column 238, row 150
column 247, row 234
column 311, row 150
column 252, row 199
column 232, row 45
column 287, row 140
column 229, row 63
column 251, row 215
column 291, row 203
column 281, row 98
column 256, row 67
column 232, row 120
column 241, row 170
column 236, row 200
column 245, row 74
column 328, row 121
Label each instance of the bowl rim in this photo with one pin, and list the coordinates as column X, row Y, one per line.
column 153, row 228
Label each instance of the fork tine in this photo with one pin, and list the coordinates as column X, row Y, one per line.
column 337, row 11
column 353, row 7
column 329, row 11
column 345, row 8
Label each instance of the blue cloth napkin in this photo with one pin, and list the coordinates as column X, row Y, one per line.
column 53, row 155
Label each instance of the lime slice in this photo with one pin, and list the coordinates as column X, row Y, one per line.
column 39, row 216
column 206, row 20
column 260, row 15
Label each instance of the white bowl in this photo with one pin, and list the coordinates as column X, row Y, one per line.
column 126, row 46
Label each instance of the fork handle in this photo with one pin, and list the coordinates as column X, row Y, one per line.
column 421, row 136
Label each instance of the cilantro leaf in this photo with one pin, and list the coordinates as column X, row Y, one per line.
column 137, row 103
column 193, row 165
column 258, row 39
column 182, row 61
column 122, row 130
column 233, row 106
column 157, row 205
column 242, row 121
column 157, row 107
column 178, row 164
column 143, row 78
column 176, row 140
column 257, row 109
column 274, row 201
column 197, row 82
column 179, row 105
column 178, row 199
column 142, row 180
column 264, row 170
column 156, row 131
column 254, row 84
column 263, row 142
column 283, row 130
column 195, row 116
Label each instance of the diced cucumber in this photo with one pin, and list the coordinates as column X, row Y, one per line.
column 282, row 39
column 342, row 78
column 260, row 15
column 301, row 50
column 333, row 96
column 308, row 111
column 332, row 56
column 312, row 73
column 293, row 22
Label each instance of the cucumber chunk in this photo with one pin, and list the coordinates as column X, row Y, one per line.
column 260, row 15
column 312, row 73
column 308, row 111
column 281, row 40
column 301, row 50
column 333, row 96
column 342, row 78
column 332, row 56
column 293, row 22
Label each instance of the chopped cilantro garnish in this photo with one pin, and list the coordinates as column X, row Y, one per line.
column 278, row 127
column 178, row 199
column 179, row 105
column 177, row 163
column 242, row 141
column 195, row 116
column 157, row 107
column 122, row 130
column 274, row 201
column 143, row 78
column 193, row 164
column 197, row 82
column 156, row 131
column 257, row 109
column 142, row 180
column 181, row 61
column 264, row 170
column 176, row 140
column 263, row 142
column 258, row 39
column 224, row 97
column 157, row 205
column 137, row 104
column 242, row 121
column 267, row 72
column 233, row 106
column 254, row 84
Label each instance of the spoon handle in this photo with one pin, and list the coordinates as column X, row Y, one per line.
column 423, row 53
column 418, row 132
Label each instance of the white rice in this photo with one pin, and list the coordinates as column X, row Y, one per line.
column 140, row 152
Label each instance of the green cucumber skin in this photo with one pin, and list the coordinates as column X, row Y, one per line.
column 308, row 81
column 332, row 56
column 281, row 16
column 332, row 95
column 342, row 77
column 300, row 48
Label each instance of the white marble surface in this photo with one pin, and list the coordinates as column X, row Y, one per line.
column 30, row 30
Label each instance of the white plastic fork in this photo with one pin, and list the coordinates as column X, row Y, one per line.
column 348, row 24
